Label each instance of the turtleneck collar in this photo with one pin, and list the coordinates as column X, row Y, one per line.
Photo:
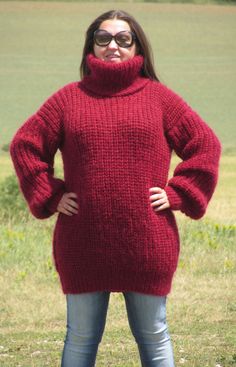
column 114, row 79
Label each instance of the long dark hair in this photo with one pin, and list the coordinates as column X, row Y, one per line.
column 142, row 42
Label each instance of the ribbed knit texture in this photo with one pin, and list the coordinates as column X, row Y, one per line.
column 116, row 131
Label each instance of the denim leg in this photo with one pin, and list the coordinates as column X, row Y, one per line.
column 86, row 318
column 147, row 319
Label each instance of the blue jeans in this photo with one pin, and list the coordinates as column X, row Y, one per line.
column 86, row 318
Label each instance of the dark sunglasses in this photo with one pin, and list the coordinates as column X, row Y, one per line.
column 123, row 39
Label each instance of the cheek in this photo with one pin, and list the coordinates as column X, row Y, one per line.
column 129, row 53
column 97, row 51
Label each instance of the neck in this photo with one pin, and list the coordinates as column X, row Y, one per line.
column 108, row 79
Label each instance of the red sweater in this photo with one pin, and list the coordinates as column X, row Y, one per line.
column 116, row 131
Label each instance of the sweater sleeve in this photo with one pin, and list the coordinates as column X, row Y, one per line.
column 195, row 177
column 32, row 150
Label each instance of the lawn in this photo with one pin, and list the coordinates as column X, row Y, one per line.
column 201, row 307
column 195, row 54
column 194, row 50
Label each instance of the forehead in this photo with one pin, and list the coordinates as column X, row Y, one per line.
column 114, row 26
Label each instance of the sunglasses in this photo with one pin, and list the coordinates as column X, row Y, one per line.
column 123, row 39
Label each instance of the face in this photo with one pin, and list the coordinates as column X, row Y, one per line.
column 113, row 52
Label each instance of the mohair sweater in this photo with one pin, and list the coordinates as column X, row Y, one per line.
column 116, row 130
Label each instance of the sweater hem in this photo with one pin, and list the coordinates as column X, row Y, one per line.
column 160, row 287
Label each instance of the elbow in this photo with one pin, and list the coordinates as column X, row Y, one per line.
column 12, row 148
column 15, row 148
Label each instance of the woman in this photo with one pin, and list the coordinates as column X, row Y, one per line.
column 116, row 231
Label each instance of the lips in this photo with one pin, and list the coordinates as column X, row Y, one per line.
column 112, row 56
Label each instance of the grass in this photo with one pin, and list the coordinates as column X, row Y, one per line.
column 194, row 49
column 201, row 307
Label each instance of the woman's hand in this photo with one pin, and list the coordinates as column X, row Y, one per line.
column 159, row 199
column 68, row 205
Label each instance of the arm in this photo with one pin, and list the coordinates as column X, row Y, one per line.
column 195, row 178
column 32, row 150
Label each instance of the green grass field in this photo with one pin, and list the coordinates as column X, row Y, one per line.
column 195, row 53
column 201, row 308
column 194, row 49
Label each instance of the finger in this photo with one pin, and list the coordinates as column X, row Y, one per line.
column 71, row 195
column 156, row 189
column 159, row 202
column 72, row 203
column 73, row 211
column 162, row 207
column 69, row 208
column 65, row 211
column 66, row 208
column 157, row 196
column 68, row 199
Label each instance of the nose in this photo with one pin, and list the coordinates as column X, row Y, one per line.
column 112, row 44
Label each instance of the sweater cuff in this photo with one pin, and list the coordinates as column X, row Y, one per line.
column 54, row 201
column 175, row 199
